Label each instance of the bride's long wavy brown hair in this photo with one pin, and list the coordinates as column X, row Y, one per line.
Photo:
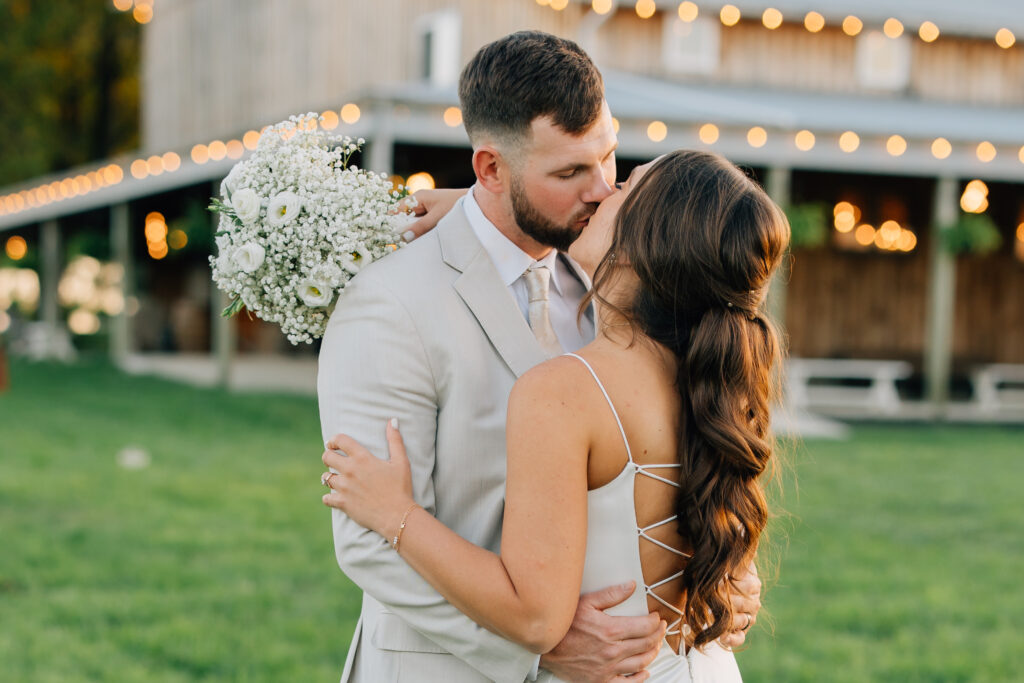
column 703, row 240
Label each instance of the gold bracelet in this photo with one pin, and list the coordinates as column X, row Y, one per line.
column 401, row 527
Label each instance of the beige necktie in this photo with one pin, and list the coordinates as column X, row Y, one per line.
column 537, row 280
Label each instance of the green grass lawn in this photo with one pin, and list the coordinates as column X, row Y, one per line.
column 901, row 561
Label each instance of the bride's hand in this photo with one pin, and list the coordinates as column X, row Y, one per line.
column 431, row 206
column 373, row 492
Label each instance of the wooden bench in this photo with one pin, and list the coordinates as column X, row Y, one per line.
column 846, row 387
column 998, row 386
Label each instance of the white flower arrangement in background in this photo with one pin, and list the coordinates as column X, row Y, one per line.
column 297, row 222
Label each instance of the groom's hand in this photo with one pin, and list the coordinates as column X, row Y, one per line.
column 746, row 603
column 599, row 648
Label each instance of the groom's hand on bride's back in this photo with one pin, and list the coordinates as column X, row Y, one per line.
column 601, row 648
column 430, row 207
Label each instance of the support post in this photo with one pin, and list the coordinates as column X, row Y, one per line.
column 223, row 340
column 778, row 185
column 120, row 324
column 49, row 242
column 938, row 359
column 381, row 155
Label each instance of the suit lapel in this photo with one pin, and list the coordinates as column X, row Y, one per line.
column 486, row 296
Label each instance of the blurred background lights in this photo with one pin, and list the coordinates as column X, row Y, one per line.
column 975, row 197
column 852, row 25
column 928, row 32
column 849, row 141
column 986, row 152
column 218, row 150
column 730, row 15
column 941, row 148
column 252, row 138
column 804, row 140
column 893, row 27
column 688, row 11
column 420, row 181
column 453, row 117
column 350, row 113
column 708, row 133
column 865, row 235
column 602, row 6
column 896, row 145
column 814, row 22
column 558, row 5
column 123, row 5
column 657, row 131
column 771, row 18
column 235, row 149
column 16, row 248
column 1005, row 38
column 645, row 9
column 329, row 120
column 200, row 154
column 757, row 136
column 83, row 322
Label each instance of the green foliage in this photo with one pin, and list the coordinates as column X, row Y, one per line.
column 973, row 233
column 807, row 225
column 215, row 563
column 70, row 85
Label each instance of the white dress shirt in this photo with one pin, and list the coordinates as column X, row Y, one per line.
column 568, row 281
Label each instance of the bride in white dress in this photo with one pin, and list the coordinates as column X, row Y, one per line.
column 638, row 459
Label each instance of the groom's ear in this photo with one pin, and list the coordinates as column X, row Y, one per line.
column 491, row 169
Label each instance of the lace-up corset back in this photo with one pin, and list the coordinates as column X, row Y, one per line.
column 616, row 541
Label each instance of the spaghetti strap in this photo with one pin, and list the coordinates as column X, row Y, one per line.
column 629, row 453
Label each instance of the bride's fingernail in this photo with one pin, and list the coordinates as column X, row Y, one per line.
column 408, row 236
column 394, row 423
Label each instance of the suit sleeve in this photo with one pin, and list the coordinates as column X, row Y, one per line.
column 373, row 366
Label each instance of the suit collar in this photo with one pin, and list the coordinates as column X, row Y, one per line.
column 486, row 295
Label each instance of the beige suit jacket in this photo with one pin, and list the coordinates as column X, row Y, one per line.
column 429, row 335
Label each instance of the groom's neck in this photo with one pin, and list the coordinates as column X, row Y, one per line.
column 496, row 209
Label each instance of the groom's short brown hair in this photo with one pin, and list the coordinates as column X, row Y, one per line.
column 528, row 74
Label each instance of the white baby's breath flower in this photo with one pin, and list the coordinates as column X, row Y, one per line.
column 249, row 257
column 246, row 204
column 315, row 293
column 283, row 208
column 229, row 185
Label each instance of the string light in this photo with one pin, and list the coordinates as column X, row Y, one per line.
column 602, row 6
column 688, row 11
column 558, row 5
column 928, row 32
column 804, row 140
column 350, row 113
column 730, row 15
column 657, row 131
column 852, row 25
column 849, row 141
column 941, row 148
column 453, row 117
column 986, row 152
column 771, row 18
column 645, row 9
column 893, row 27
column 1005, row 38
column 814, row 22
column 896, row 145
column 708, row 133
column 757, row 136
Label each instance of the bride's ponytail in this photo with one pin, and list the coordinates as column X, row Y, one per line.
column 703, row 240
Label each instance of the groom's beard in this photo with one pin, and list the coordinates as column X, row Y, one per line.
column 538, row 226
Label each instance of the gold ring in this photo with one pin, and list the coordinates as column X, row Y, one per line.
column 749, row 622
column 325, row 478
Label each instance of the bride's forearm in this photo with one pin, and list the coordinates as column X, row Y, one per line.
column 477, row 582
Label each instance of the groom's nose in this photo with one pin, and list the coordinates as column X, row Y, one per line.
column 597, row 191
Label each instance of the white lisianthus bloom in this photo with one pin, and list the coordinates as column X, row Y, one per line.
column 246, row 204
column 314, row 293
column 249, row 257
column 357, row 260
column 283, row 208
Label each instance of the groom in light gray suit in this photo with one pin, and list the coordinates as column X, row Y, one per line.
column 436, row 334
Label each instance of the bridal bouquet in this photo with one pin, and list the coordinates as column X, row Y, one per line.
column 296, row 223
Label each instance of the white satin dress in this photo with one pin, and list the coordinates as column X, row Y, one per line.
column 613, row 557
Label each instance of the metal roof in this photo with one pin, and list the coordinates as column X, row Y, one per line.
column 411, row 113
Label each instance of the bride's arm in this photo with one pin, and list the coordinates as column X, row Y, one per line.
column 529, row 593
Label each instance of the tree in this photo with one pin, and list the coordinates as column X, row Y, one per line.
column 69, row 85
